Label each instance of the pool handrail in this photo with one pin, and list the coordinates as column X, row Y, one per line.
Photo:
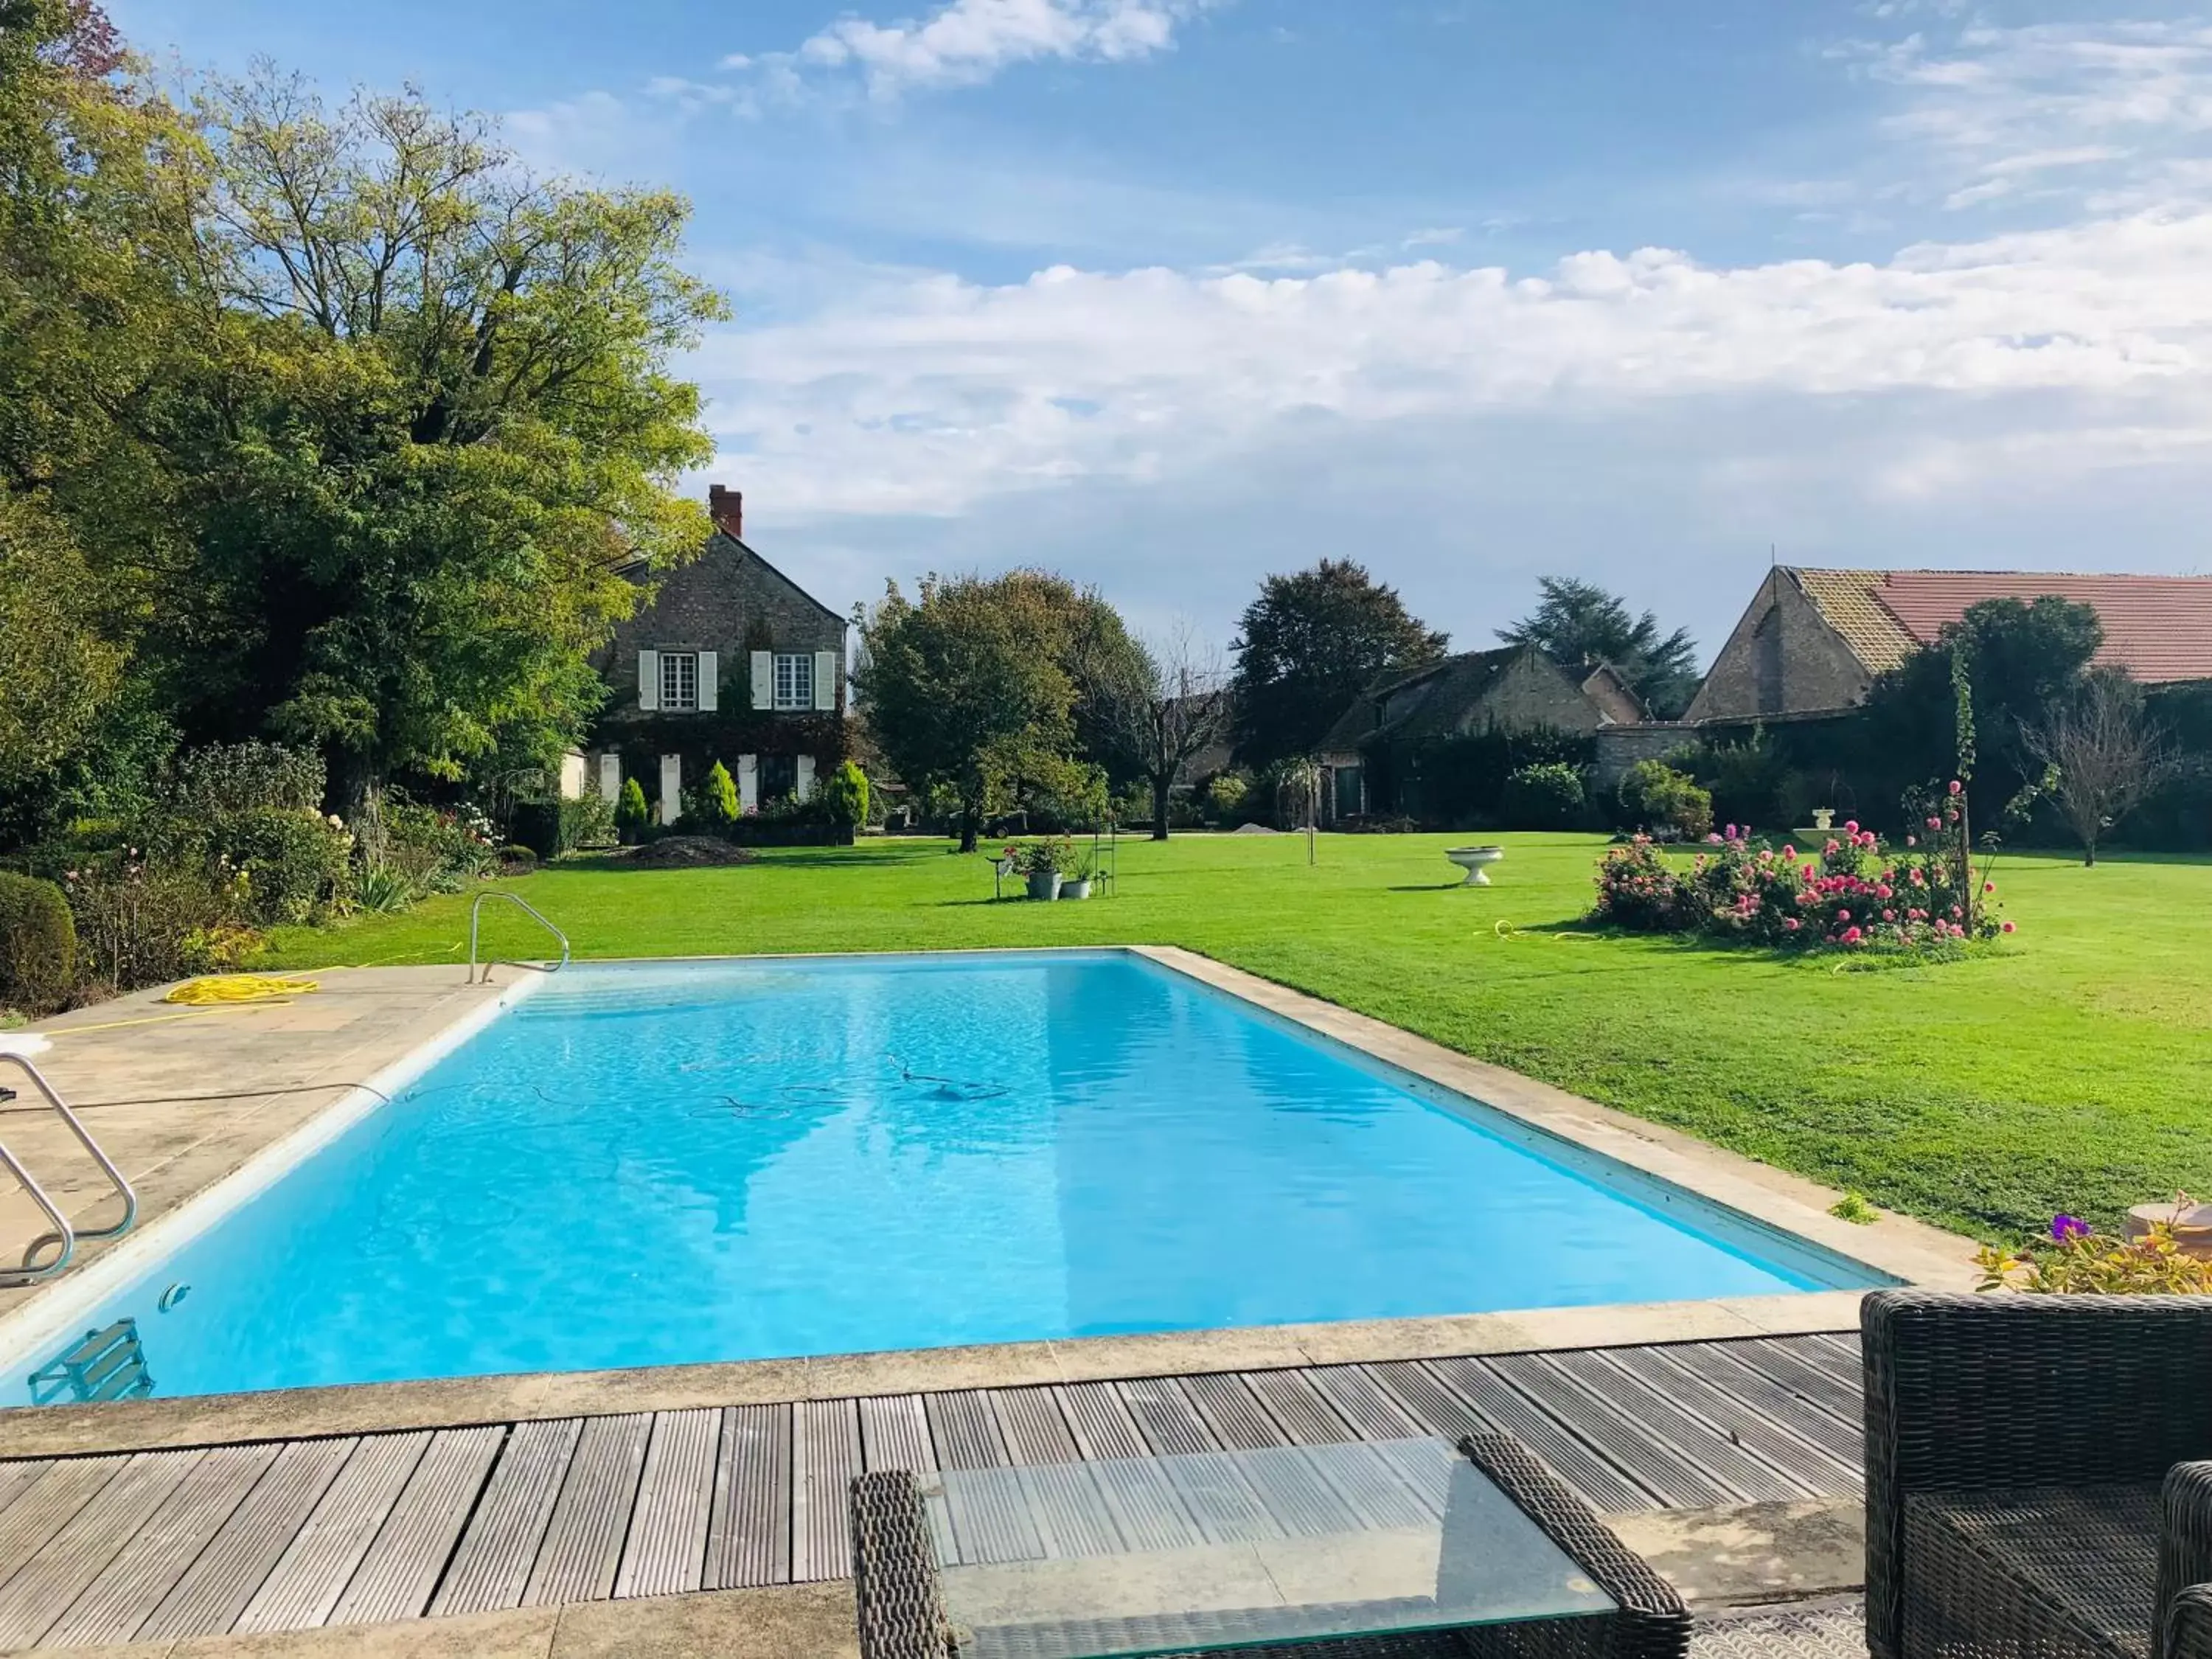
column 62, row 1234
column 476, row 912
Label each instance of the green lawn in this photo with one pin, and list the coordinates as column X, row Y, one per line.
column 2070, row 1068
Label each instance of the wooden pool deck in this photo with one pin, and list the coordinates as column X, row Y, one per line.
column 369, row 1528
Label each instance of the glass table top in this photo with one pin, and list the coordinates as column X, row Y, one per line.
column 1217, row 1551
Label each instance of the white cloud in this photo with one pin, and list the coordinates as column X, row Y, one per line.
column 2120, row 112
column 967, row 42
column 933, row 394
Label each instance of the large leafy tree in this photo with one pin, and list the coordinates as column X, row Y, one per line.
column 2021, row 660
column 966, row 687
column 91, row 340
column 1307, row 646
column 1580, row 624
column 439, row 431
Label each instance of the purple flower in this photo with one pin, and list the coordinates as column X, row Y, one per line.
column 2065, row 1228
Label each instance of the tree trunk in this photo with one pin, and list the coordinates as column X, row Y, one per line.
column 971, row 823
column 1161, row 785
column 348, row 779
column 2089, row 855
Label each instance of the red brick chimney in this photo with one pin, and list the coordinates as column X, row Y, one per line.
column 727, row 509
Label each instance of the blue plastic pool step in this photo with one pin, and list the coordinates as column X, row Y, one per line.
column 108, row 1364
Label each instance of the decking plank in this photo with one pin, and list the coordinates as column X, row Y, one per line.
column 1436, row 1407
column 310, row 1577
column 666, row 1551
column 132, row 1585
column 209, row 1595
column 1705, row 1447
column 990, row 1521
column 583, row 1541
column 34, row 1600
column 749, row 1534
column 1297, row 1407
column 1601, row 1483
column 1801, row 1459
column 1099, row 1421
column 1672, row 1478
column 49, row 1503
column 491, row 1565
column 895, row 1433
column 411, row 1551
column 18, row 1475
column 1809, row 1374
column 1032, row 1424
column 825, row 1455
column 1169, row 1423
column 1354, row 1394
column 1146, row 1509
column 1841, row 1438
column 1233, row 1412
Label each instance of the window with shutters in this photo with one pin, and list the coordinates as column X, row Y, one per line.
column 679, row 681
column 795, row 680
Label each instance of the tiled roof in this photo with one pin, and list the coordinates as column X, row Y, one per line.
column 2158, row 628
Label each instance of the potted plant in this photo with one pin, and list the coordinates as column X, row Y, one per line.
column 1041, row 861
column 1077, row 883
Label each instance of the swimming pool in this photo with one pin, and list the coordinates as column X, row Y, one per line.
column 659, row 1163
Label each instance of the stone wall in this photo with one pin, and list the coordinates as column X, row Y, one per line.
column 731, row 601
column 1620, row 747
column 1530, row 693
column 1782, row 659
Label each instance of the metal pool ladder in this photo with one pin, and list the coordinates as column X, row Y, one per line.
column 63, row 1236
column 476, row 911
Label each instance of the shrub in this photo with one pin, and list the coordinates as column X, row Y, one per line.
column 245, row 777
column 845, row 795
column 516, row 861
column 633, row 818
column 1637, row 889
column 586, row 821
column 37, row 945
column 1657, row 797
column 382, row 891
column 1546, row 796
column 1854, row 894
column 296, row 863
column 714, row 804
column 139, row 925
column 1225, row 795
column 439, row 849
column 2079, row 1260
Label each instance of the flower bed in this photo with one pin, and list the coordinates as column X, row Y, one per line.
column 1852, row 895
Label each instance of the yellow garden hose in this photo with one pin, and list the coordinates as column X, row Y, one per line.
column 239, row 987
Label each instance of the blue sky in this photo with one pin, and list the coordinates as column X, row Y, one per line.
column 1168, row 294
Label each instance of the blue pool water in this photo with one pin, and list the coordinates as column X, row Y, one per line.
column 655, row 1164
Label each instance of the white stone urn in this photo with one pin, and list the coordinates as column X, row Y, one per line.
column 1823, row 817
column 1471, row 859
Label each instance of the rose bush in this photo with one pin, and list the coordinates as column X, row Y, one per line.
column 1853, row 894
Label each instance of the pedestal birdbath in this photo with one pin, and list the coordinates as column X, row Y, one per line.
column 1472, row 859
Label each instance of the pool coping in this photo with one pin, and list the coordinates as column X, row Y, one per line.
column 1908, row 1251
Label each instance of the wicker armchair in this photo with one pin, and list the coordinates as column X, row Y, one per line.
column 2030, row 1490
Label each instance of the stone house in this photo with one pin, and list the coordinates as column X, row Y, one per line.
column 1812, row 641
column 1368, row 757
column 730, row 661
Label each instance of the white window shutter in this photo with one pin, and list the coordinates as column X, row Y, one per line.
column 763, row 680
column 749, row 782
column 806, row 777
column 825, row 679
column 709, row 683
column 672, row 788
column 648, row 681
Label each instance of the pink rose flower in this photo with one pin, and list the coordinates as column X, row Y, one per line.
column 2007, row 927
column 1957, row 788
